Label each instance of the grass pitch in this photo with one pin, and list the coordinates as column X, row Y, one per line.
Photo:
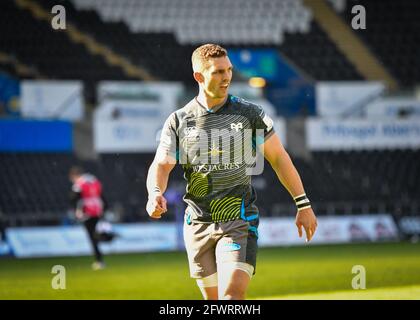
column 307, row 272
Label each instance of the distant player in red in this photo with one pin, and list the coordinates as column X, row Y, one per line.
column 89, row 206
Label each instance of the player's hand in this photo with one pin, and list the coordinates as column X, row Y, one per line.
column 306, row 218
column 79, row 214
column 156, row 206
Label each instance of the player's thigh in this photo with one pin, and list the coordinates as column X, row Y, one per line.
column 236, row 255
column 200, row 247
column 237, row 244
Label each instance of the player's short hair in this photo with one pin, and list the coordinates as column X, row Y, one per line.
column 76, row 171
column 204, row 53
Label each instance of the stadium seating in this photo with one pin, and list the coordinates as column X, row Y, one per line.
column 159, row 48
column 231, row 22
column 392, row 33
column 382, row 181
column 178, row 26
column 7, row 68
column 34, row 187
column 164, row 52
column 35, row 43
column 160, row 36
column 317, row 55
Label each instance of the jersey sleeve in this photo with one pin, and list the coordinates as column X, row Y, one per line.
column 75, row 195
column 263, row 126
column 168, row 144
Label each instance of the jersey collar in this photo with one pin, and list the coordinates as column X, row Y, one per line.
column 216, row 108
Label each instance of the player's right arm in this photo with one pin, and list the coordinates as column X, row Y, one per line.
column 161, row 167
column 157, row 182
column 283, row 166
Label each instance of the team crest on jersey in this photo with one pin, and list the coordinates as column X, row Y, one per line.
column 236, row 126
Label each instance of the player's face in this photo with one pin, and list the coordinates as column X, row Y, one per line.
column 217, row 77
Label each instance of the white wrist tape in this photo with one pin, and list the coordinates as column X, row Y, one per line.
column 302, row 202
column 156, row 191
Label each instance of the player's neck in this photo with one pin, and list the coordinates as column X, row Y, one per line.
column 210, row 103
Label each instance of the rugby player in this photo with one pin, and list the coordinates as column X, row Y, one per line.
column 221, row 219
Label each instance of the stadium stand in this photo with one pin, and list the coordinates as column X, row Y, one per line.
column 147, row 49
column 35, row 43
column 52, row 52
column 195, row 22
column 315, row 53
column 149, row 32
column 339, row 186
column 7, row 68
column 37, row 188
column 160, row 36
column 335, row 184
column 393, row 35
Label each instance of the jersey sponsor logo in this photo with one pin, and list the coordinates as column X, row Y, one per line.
column 215, row 167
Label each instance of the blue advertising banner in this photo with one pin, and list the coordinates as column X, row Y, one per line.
column 287, row 89
column 24, row 136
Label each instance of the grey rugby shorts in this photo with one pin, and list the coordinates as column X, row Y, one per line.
column 209, row 244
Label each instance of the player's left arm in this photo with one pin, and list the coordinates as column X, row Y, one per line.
column 282, row 164
column 75, row 197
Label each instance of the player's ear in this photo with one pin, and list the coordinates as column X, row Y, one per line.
column 198, row 76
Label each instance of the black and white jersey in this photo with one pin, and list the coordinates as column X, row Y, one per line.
column 218, row 150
